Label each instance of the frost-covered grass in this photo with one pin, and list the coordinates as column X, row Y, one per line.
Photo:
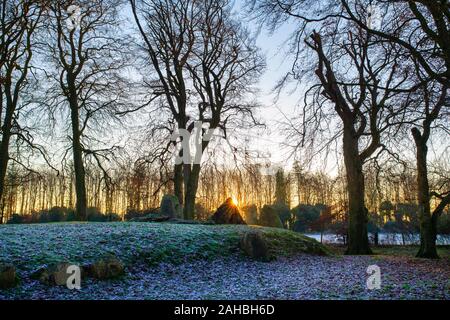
column 30, row 247
column 177, row 261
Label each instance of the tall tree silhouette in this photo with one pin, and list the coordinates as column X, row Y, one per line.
column 18, row 23
column 87, row 48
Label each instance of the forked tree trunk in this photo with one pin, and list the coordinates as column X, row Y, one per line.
column 428, row 224
column 191, row 177
column 358, row 241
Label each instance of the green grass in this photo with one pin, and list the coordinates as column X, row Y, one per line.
column 395, row 251
column 286, row 243
column 30, row 247
column 443, row 251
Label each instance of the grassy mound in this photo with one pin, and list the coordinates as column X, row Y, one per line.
column 30, row 247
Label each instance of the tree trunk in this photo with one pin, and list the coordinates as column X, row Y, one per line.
column 4, row 158
column 6, row 136
column 191, row 192
column 428, row 226
column 178, row 182
column 4, row 151
column 80, row 182
column 358, row 241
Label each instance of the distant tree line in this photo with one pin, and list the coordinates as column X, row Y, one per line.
column 301, row 201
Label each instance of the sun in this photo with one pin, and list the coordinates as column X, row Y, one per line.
column 235, row 202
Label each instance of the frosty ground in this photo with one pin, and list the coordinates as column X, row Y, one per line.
column 165, row 261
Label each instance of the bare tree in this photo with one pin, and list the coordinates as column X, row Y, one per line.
column 88, row 51
column 421, row 29
column 434, row 107
column 18, row 22
column 225, row 66
column 360, row 104
column 358, row 76
column 205, row 62
column 166, row 28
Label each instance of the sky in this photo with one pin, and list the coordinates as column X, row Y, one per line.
column 274, row 48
